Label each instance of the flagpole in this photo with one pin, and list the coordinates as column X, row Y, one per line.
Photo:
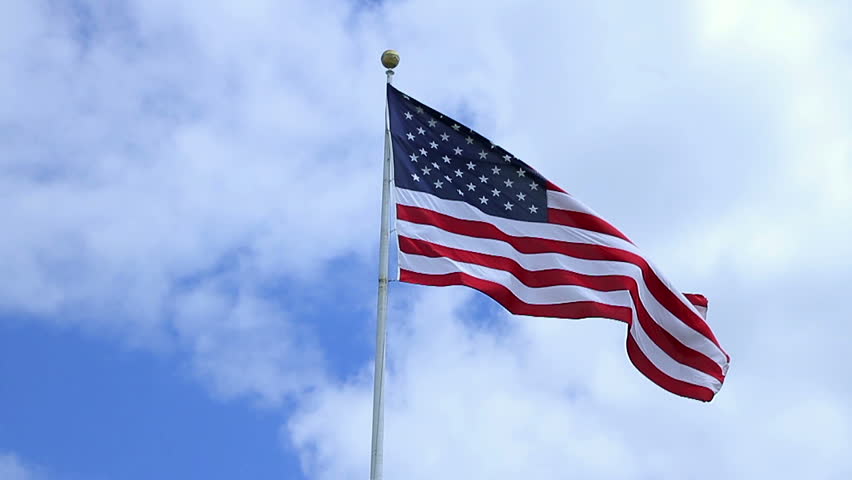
column 390, row 59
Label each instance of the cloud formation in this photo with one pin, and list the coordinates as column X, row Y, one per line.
column 178, row 176
column 561, row 400
column 146, row 158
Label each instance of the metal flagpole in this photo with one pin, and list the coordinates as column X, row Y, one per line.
column 390, row 59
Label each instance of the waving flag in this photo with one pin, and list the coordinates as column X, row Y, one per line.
column 470, row 213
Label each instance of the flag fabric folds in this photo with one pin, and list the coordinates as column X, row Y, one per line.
column 470, row 213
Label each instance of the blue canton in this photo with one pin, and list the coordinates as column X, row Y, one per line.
column 435, row 154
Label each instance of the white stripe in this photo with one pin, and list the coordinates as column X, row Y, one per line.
column 516, row 228
column 532, row 295
column 564, row 201
column 543, row 261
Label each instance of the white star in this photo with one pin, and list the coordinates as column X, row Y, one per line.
column 413, row 158
column 507, row 157
column 521, row 172
column 496, row 170
column 468, row 140
column 533, row 186
column 495, row 192
column 423, row 152
column 456, row 127
column 457, row 150
column 483, row 200
column 482, row 155
column 408, row 116
column 433, row 144
column 425, row 170
column 470, row 165
column 435, row 165
column 533, row 209
column 471, row 186
column 508, row 183
column 419, row 110
column 420, row 130
column 460, row 192
column 521, row 196
column 410, row 135
column 458, row 173
column 415, row 177
column 432, row 122
column 448, row 178
column 446, row 159
column 483, row 179
column 508, row 205
column 406, row 97
column 445, row 137
column 439, row 184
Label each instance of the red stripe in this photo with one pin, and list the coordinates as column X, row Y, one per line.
column 678, row 387
column 480, row 229
column 586, row 221
column 552, row 277
column 505, row 297
column 555, row 187
column 696, row 299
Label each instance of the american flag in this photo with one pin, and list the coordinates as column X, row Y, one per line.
column 470, row 213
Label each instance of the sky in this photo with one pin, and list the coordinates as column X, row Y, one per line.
column 190, row 209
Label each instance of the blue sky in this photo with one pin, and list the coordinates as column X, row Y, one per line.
column 191, row 195
column 90, row 410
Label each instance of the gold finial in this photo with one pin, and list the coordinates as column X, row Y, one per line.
column 390, row 59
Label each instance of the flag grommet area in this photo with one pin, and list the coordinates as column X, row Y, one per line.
column 470, row 213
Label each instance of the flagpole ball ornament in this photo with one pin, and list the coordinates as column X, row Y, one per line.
column 390, row 59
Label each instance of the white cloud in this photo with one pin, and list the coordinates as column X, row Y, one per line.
column 798, row 52
column 141, row 148
column 244, row 345
column 12, row 468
